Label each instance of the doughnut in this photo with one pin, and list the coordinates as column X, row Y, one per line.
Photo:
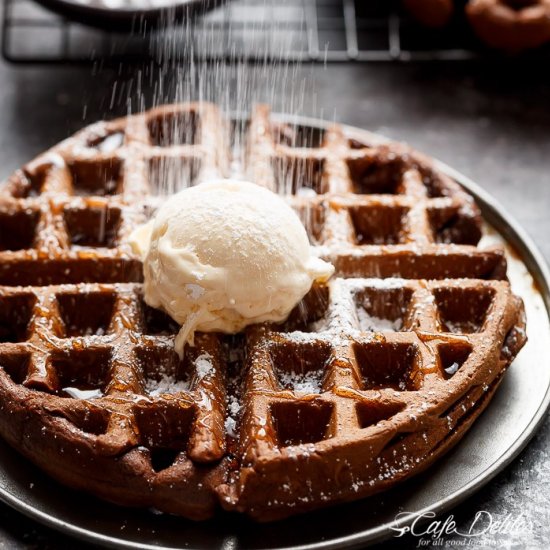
column 431, row 13
column 511, row 25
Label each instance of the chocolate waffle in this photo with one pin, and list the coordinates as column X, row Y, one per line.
column 372, row 377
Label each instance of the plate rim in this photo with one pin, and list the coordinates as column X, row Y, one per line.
column 538, row 268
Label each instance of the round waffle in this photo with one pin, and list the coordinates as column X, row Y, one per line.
column 372, row 378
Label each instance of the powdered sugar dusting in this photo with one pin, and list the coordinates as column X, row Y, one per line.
column 306, row 382
column 111, row 142
column 233, row 410
column 75, row 393
column 452, row 369
column 204, row 365
column 166, row 384
column 389, row 283
column 371, row 323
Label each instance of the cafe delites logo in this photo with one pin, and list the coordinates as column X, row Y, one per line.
column 445, row 532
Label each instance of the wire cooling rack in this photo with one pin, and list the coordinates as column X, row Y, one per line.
column 253, row 30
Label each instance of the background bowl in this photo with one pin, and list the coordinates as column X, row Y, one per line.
column 97, row 14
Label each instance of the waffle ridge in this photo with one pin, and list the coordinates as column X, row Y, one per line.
column 373, row 376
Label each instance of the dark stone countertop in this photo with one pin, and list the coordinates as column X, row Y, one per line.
column 490, row 122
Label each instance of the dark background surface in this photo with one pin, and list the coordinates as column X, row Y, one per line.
column 491, row 122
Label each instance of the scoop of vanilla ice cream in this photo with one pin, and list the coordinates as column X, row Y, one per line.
column 223, row 255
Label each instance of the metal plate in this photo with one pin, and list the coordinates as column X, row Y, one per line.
column 496, row 438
